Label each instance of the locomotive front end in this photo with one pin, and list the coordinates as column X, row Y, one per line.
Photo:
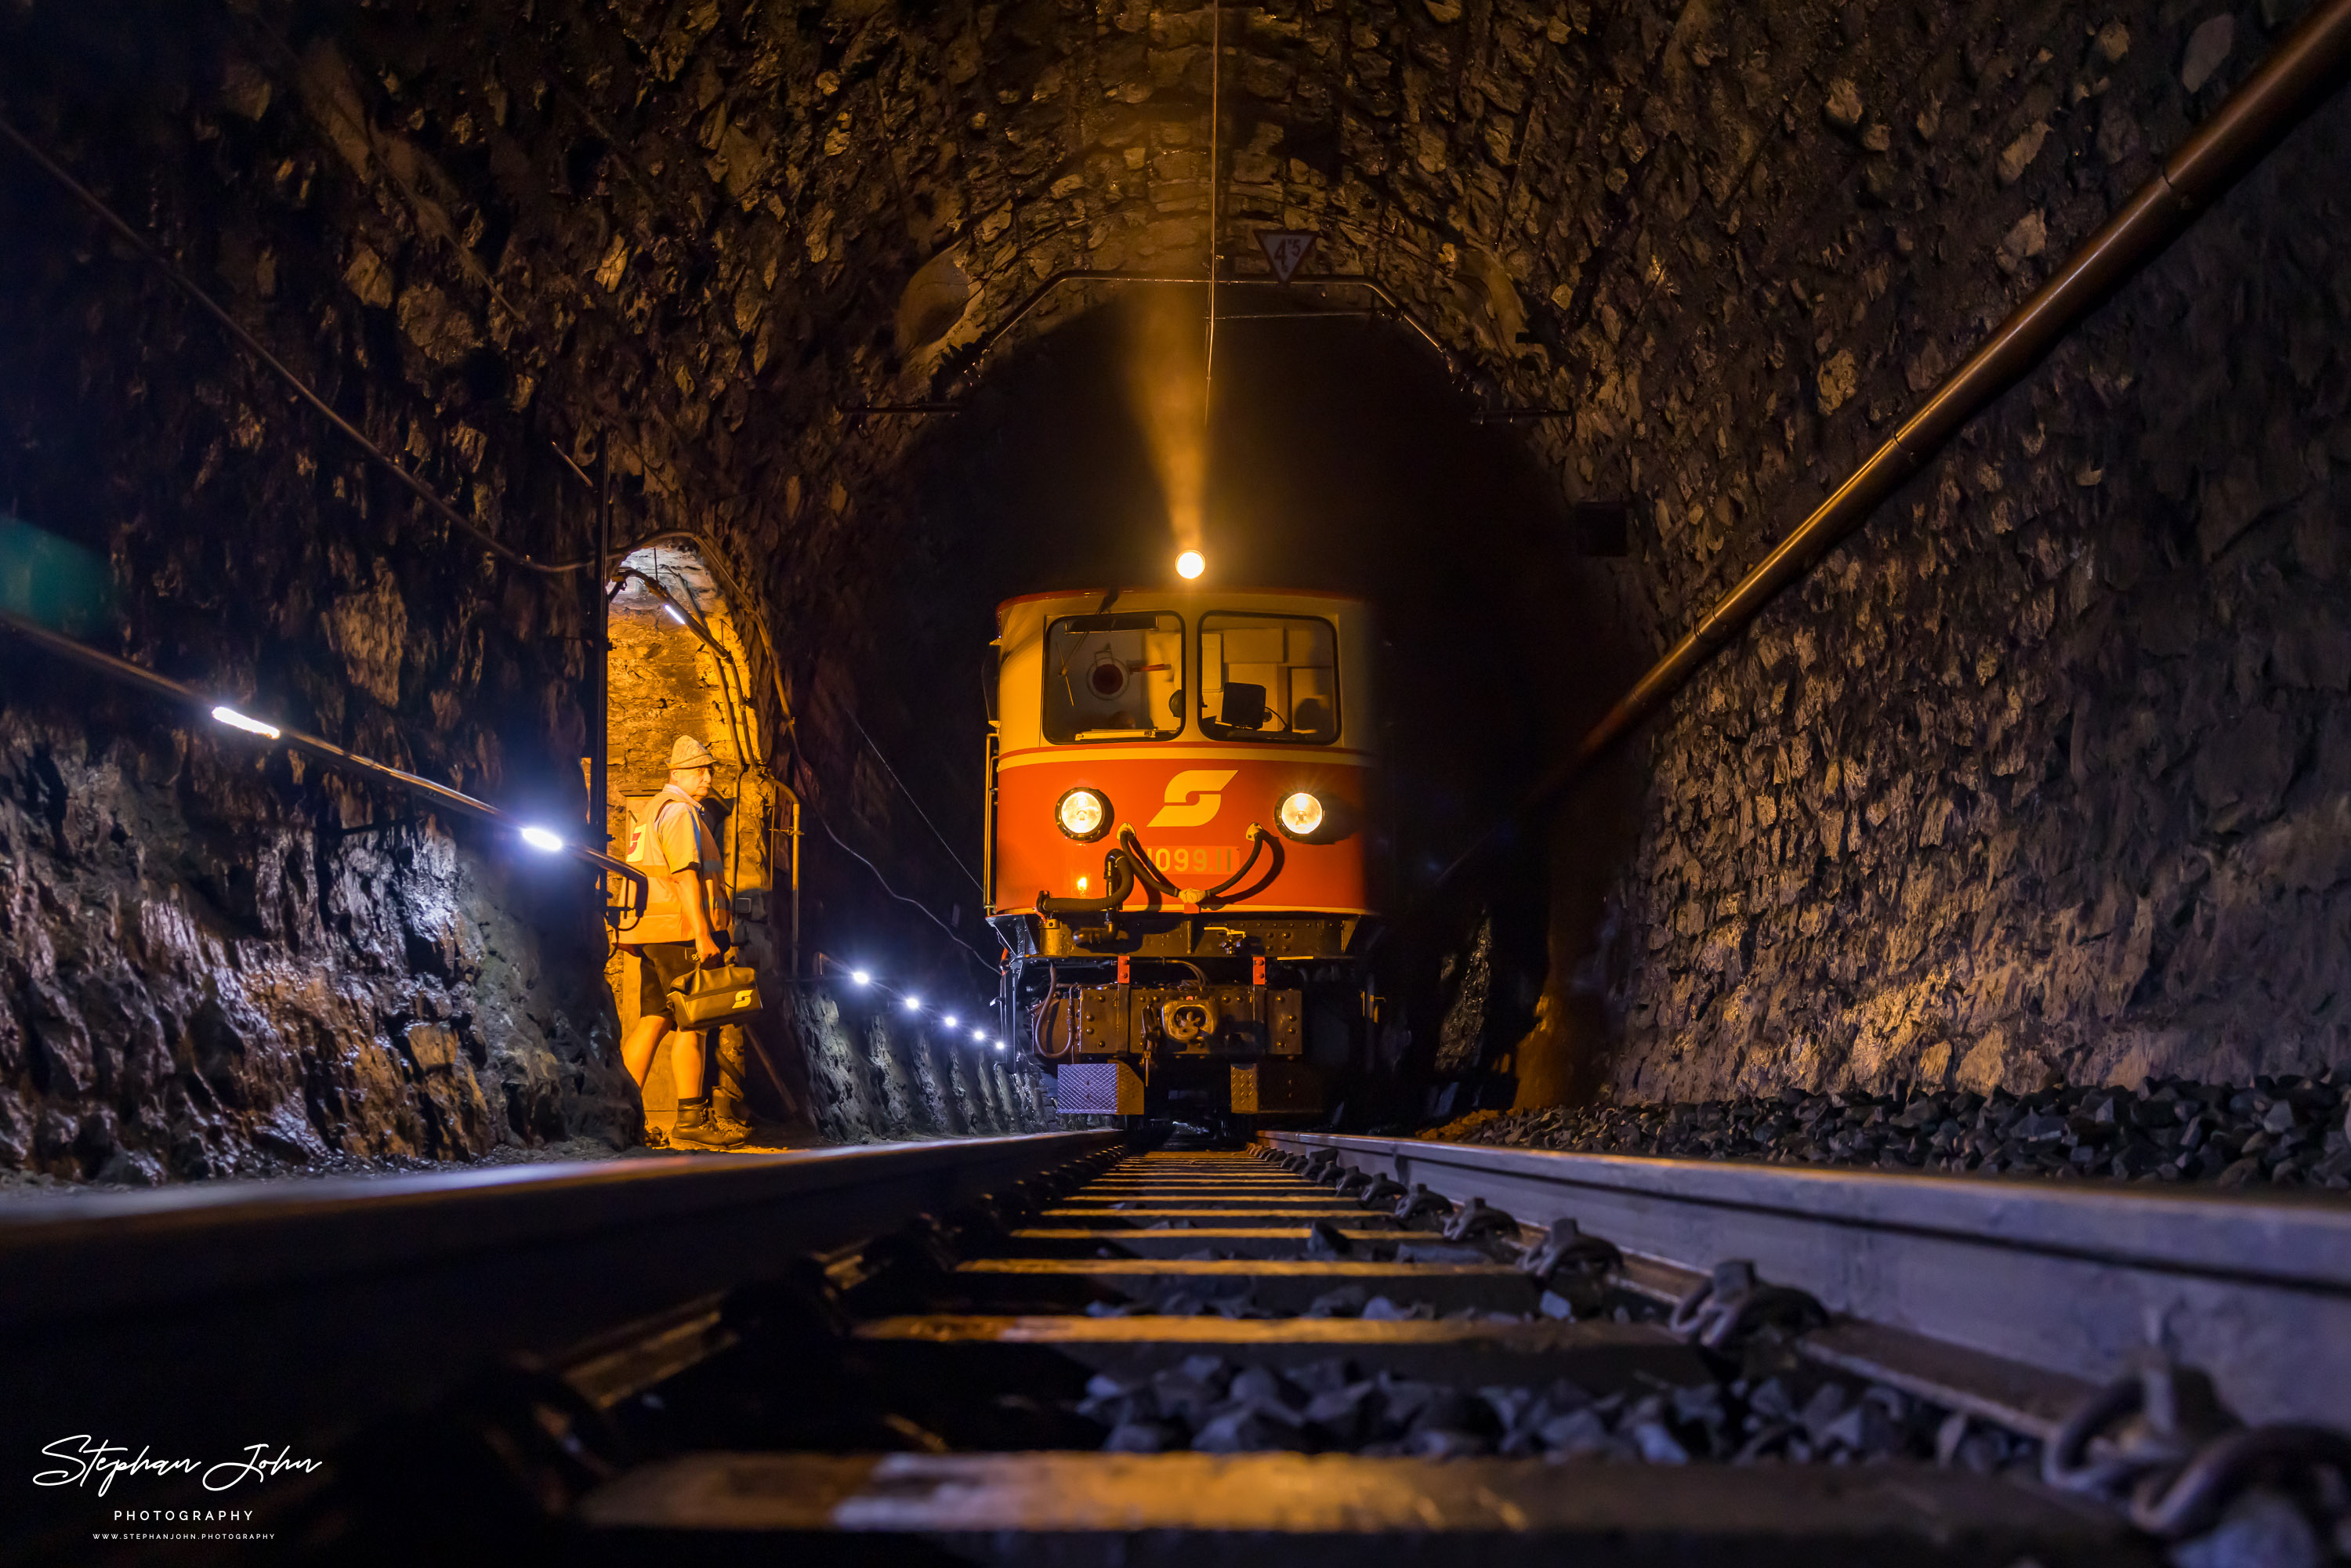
column 1182, row 789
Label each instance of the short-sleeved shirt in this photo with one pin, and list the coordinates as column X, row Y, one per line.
column 674, row 837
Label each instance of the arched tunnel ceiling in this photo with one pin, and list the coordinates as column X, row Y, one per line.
column 709, row 229
column 737, row 223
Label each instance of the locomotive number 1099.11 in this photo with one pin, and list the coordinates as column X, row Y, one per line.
column 1219, row 860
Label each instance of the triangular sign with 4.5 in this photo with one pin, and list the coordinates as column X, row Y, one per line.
column 1285, row 248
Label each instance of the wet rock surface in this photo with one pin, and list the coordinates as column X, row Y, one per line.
column 201, row 983
column 873, row 1077
column 2291, row 1131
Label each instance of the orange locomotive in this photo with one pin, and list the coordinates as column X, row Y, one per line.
column 1181, row 788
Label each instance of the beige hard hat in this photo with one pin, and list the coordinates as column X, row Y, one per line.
column 688, row 752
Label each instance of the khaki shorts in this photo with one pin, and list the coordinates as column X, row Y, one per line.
column 660, row 966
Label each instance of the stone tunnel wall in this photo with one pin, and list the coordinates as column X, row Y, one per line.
column 871, row 1077
column 681, row 237
column 2045, row 775
column 213, row 957
column 430, row 218
column 2045, row 759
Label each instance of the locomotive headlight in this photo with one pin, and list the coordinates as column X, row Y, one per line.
column 1301, row 815
column 1083, row 814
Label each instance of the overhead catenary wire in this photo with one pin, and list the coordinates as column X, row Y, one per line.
column 735, row 703
column 1216, row 116
column 706, row 553
column 992, row 966
column 911, row 801
column 801, row 767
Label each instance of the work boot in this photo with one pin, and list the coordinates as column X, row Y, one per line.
column 693, row 1129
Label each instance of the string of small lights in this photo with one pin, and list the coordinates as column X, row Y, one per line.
column 861, row 978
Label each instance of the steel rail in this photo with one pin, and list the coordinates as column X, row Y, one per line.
column 2281, row 92
column 434, row 794
column 199, row 1319
column 2065, row 1278
column 1009, row 1322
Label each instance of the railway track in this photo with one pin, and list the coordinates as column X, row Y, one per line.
column 1069, row 1349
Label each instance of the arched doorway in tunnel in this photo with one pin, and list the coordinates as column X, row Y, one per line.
column 675, row 667
column 1340, row 457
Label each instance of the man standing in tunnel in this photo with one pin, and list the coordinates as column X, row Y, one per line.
column 679, row 855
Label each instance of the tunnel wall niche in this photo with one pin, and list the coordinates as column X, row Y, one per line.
column 663, row 682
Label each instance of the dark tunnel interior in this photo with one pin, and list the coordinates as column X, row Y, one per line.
column 1340, row 459
column 2035, row 782
column 1055, row 781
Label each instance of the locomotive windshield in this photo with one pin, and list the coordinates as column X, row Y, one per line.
column 1269, row 677
column 1114, row 677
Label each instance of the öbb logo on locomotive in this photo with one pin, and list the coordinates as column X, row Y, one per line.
column 1193, row 798
column 1182, row 860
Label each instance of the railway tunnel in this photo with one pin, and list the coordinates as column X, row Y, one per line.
column 1849, row 502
